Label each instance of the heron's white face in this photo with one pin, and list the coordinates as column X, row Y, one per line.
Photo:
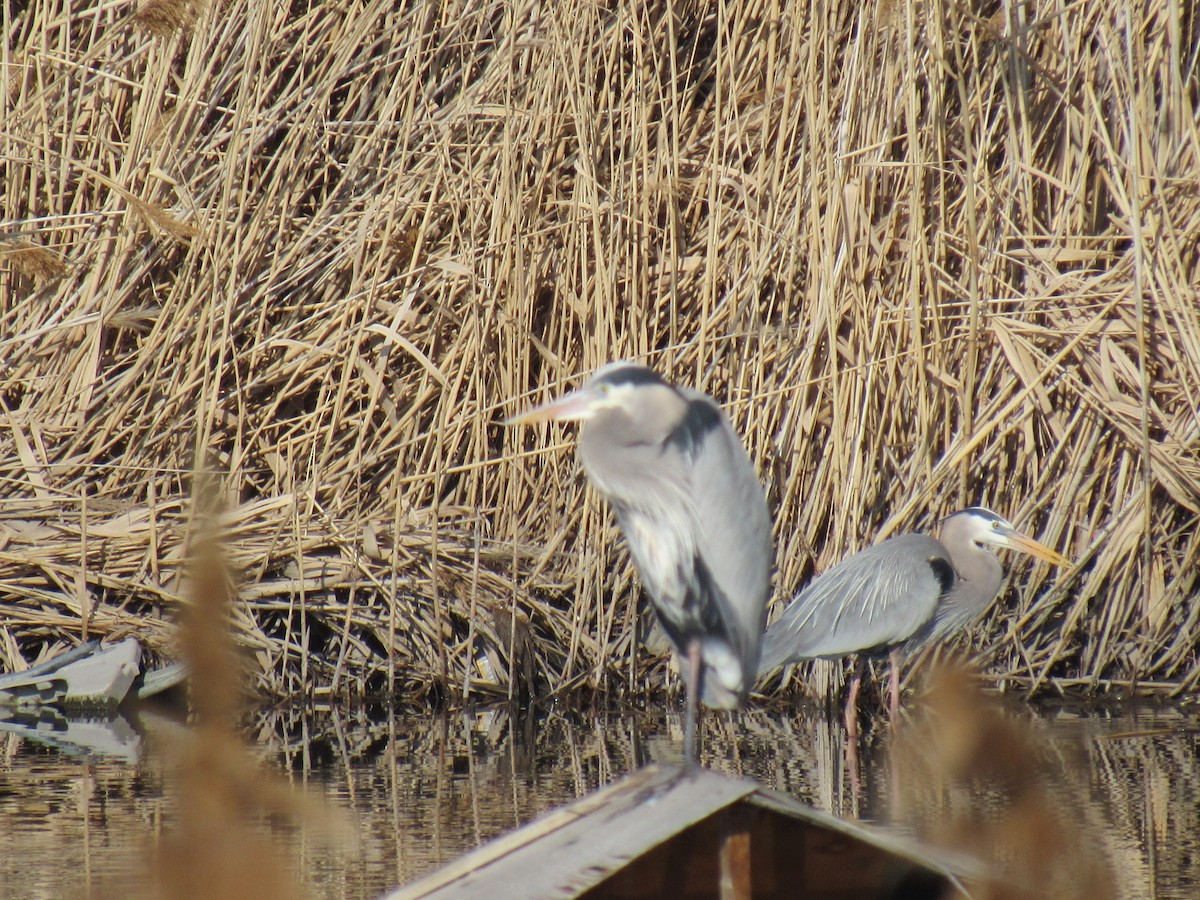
column 989, row 529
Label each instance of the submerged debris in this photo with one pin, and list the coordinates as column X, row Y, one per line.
column 90, row 677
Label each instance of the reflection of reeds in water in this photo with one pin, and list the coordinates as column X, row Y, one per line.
column 456, row 778
column 1150, row 800
column 428, row 788
column 218, row 847
column 971, row 778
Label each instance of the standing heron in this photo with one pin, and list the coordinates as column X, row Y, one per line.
column 899, row 595
column 694, row 517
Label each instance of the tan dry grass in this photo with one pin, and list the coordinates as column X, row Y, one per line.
column 926, row 256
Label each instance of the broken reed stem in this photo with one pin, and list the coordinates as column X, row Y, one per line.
column 915, row 254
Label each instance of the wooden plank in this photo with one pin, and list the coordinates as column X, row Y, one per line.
column 952, row 865
column 577, row 847
column 735, row 855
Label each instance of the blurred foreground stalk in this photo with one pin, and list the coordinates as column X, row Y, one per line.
column 972, row 779
column 220, row 848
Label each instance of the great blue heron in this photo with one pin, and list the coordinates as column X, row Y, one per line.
column 694, row 517
column 899, row 595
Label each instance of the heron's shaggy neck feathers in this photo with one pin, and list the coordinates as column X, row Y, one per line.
column 979, row 577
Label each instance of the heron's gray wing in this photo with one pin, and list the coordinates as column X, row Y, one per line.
column 733, row 542
column 880, row 596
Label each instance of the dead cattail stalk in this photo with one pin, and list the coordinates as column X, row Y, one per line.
column 165, row 18
column 217, row 847
column 976, row 780
column 33, row 261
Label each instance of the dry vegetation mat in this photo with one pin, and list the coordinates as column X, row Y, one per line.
column 928, row 255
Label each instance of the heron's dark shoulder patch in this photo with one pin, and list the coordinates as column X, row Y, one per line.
column 943, row 571
column 699, row 418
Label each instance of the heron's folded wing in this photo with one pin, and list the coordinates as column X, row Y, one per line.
column 880, row 596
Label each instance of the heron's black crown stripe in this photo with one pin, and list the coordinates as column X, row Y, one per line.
column 701, row 418
column 631, row 375
column 983, row 513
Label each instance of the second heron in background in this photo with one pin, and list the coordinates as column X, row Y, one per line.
column 899, row 595
column 693, row 514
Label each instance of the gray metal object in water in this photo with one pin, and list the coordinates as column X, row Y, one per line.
column 92, row 676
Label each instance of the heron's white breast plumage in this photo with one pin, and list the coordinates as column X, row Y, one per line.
column 663, row 545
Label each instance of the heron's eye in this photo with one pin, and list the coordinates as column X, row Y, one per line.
column 604, row 389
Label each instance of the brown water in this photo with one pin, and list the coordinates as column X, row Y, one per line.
column 423, row 789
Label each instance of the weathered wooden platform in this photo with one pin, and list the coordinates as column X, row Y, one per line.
column 668, row 832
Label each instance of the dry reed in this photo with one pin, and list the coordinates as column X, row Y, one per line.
column 927, row 254
column 972, row 779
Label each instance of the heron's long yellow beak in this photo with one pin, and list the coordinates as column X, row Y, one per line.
column 1018, row 541
column 570, row 407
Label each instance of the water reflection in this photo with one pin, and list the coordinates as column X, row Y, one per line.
column 426, row 788
column 110, row 735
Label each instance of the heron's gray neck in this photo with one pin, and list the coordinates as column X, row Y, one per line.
column 979, row 578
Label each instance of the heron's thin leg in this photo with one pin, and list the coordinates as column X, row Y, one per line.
column 853, row 771
column 852, row 700
column 693, row 702
column 894, row 704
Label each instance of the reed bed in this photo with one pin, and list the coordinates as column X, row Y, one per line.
column 928, row 255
